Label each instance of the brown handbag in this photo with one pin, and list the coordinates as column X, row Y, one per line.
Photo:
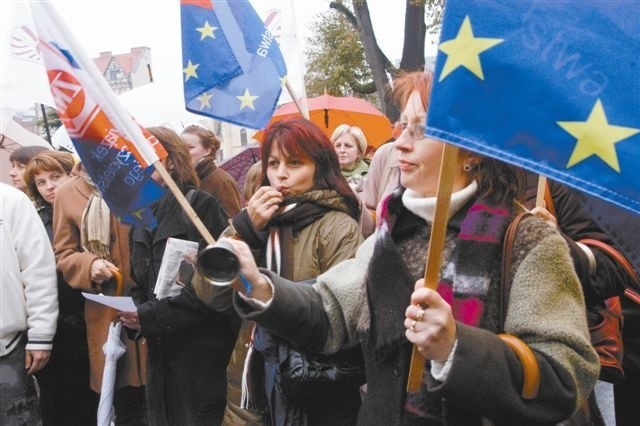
column 606, row 336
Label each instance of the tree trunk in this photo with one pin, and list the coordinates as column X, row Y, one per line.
column 414, row 38
column 375, row 58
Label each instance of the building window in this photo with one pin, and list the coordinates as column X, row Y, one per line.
column 243, row 137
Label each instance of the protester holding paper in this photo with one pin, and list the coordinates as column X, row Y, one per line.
column 88, row 240
column 189, row 344
column 378, row 298
column 300, row 222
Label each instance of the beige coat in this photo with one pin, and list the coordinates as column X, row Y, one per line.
column 75, row 265
column 326, row 242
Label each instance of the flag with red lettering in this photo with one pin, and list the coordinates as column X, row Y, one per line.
column 116, row 152
column 233, row 67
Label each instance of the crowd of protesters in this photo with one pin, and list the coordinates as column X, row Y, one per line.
column 332, row 250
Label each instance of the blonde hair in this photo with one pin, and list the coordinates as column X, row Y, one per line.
column 354, row 131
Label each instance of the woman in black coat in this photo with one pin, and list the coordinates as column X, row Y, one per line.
column 189, row 345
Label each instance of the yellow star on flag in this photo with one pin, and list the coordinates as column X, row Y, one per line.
column 283, row 81
column 246, row 100
column 206, row 31
column 465, row 50
column 596, row 137
column 204, row 100
column 190, row 71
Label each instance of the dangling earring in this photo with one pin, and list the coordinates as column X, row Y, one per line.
column 469, row 167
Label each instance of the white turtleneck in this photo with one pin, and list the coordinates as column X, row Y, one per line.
column 425, row 207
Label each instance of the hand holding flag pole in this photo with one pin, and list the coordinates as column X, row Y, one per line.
column 436, row 245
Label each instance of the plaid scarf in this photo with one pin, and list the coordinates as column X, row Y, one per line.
column 471, row 260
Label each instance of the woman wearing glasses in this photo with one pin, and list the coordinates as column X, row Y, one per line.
column 378, row 300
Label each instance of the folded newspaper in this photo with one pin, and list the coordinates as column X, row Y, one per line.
column 177, row 267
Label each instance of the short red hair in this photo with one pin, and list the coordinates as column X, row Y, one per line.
column 407, row 83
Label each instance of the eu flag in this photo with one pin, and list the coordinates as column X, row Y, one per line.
column 233, row 67
column 552, row 86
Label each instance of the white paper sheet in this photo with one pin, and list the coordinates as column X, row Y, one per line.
column 121, row 303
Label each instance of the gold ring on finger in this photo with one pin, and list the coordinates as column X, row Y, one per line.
column 412, row 326
column 420, row 315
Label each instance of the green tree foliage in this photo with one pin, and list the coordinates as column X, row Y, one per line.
column 345, row 57
column 335, row 58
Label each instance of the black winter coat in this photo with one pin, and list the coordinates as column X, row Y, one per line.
column 189, row 345
column 575, row 224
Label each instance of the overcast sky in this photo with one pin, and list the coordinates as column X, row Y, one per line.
column 118, row 25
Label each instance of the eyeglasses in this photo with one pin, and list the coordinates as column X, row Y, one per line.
column 416, row 131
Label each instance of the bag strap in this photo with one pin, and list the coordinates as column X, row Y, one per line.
column 530, row 367
column 507, row 255
column 622, row 261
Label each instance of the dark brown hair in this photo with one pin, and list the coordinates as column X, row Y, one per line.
column 25, row 153
column 182, row 171
column 300, row 138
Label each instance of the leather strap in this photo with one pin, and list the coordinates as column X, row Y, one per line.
column 530, row 367
column 507, row 254
column 620, row 259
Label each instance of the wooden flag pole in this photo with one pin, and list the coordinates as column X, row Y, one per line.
column 184, row 203
column 542, row 186
column 436, row 245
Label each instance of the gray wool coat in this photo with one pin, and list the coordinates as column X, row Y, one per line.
column 546, row 310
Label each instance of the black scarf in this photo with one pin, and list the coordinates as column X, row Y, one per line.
column 296, row 214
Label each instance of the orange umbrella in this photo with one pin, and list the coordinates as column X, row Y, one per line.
column 328, row 112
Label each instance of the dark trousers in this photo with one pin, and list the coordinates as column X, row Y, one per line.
column 65, row 396
column 627, row 402
column 130, row 406
column 18, row 399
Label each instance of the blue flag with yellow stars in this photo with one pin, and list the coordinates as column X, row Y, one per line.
column 232, row 65
column 552, row 86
